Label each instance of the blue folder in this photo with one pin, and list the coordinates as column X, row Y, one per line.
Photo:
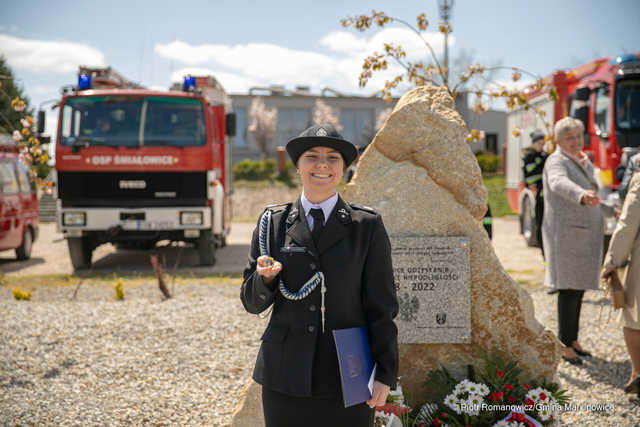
column 356, row 365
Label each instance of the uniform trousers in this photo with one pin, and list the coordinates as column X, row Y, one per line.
column 539, row 216
column 282, row 410
column 569, row 304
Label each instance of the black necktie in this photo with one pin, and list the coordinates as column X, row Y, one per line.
column 318, row 223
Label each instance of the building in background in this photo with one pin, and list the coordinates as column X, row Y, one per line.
column 359, row 117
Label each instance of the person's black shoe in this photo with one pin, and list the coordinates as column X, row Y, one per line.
column 583, row 353
column 552, row 291
column 633, row 386
column 573, row 360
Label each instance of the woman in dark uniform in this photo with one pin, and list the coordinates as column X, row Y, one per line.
column 331, row 269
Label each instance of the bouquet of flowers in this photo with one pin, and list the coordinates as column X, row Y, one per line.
column 497, row 396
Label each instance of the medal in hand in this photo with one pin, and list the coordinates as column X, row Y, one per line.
column 267, row 262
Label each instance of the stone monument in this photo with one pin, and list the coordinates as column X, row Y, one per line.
column 419, row 173
column 421, row 176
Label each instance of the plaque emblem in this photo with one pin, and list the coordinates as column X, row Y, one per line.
column 441, row 318
column 355, row 366
column 321, row 132
column 408, row 307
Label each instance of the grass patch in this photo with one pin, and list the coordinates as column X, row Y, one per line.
column 129, row 279
column 497, row 199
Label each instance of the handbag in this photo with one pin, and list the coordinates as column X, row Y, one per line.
column 614, row 288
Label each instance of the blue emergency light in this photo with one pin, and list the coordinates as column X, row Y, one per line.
column 623, row 59
column 84, row 81
column 189, row 82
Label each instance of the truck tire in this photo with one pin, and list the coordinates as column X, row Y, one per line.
column 23, row 252
column 206, row 248
column 79, row 252
column 528, row 221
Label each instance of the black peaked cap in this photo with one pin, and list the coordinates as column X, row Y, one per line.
column 536, row 135
column 321, row 136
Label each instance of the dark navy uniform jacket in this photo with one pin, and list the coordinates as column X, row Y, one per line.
column 354, row 254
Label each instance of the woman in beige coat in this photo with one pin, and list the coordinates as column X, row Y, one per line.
column 625, row 247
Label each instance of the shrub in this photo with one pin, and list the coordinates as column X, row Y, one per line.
column 489, row 163
column 119, row 291
column 254, row 170
column 19, row 294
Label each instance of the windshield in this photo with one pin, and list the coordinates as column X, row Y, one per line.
column 628, row 104
column 133, row 121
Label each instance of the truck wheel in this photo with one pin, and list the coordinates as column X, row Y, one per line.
column 206, row 248
column 24, row 251
column 80, row 252
column 527, row 218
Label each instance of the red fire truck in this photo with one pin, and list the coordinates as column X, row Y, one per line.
column 137, row 166
column 605, row 95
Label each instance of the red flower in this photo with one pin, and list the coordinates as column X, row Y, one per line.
column 530, row 402
column 499, row 373
column 443, row 414
column 390, row 408
column 436, row 421
column 543, row 396
column 511, row 399
column 499, row 394
column 492, row 397
column 527, row 386
column 508, row 387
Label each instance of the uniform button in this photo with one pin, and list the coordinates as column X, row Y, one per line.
column 312, row 266
column 311, row 328
column 312, row 308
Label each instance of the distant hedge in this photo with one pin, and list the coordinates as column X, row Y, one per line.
column 489, row 163
column 259, row 170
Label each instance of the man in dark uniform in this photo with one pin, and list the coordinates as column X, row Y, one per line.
column 534, row 159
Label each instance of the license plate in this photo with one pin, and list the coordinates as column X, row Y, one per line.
column 149, row 225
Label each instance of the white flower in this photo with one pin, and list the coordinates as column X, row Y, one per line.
column 473, row 403
column 461, row 387
column 502, row 423
column 472, row 387
column 534, row 394
column 25, row 123
column 544, row 413
column 17, row 136
column 483, row 389
column 452, row 402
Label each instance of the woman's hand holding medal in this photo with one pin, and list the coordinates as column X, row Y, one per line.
column 268, row 268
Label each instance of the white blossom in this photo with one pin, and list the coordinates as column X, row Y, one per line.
column 17, row 136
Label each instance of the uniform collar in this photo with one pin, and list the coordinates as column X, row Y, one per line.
column 326, row 206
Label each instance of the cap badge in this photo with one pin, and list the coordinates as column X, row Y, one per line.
column 321, row 132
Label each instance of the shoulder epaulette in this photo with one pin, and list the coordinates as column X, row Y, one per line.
column 278, row 207
column 363, row 208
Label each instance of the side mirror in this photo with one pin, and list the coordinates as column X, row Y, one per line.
column 230, row 124
column 582, row 93
column 41, row 121
column 582, row 114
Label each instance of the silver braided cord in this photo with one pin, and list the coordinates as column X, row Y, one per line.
column 263, row 240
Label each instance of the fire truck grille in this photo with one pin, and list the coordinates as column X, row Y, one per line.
column 123, row 189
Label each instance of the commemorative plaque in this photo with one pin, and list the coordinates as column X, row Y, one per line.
column 432, row 278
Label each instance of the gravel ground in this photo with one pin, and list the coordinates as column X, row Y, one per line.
column 141, row 361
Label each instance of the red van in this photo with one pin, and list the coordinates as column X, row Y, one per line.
column 18, row 203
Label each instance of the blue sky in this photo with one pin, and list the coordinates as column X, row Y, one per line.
column 293, row 43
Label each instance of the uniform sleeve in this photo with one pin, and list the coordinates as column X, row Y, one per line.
column 626, row 179
column 627, row 228
column 381, row 306
column 256, row 296
column 558, row 181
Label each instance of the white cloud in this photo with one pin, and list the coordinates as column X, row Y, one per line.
column 48, row 56
column 232, row 82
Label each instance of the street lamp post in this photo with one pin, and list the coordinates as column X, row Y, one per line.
column 446, row 7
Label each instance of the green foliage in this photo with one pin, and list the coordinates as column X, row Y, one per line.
column 10, row 118
column 489, row 163
column 438, row 383
column 42, row 169
column 264, row 170
column 19, row 294
column 497, row 198
column 254, row 170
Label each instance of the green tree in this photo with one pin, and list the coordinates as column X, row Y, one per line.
column 9, row 117
column 16, row 119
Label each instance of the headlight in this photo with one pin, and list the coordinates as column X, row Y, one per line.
column 74, row 218
column 191, row 218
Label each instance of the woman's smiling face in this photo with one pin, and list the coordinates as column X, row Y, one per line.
column 321, row 170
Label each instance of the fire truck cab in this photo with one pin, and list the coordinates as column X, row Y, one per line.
column 605, row 95
column 137, row 166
